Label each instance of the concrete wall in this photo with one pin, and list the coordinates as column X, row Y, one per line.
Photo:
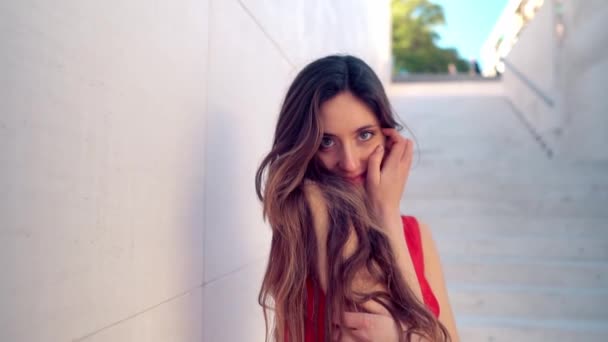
column 102, row 121
column 529, row 77
column 129, row 135
column 570, row 72
column 582, row 64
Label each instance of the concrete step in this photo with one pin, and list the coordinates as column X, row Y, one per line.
column 507, row 329
column 529, row 302
column 491, row 189
column 504, row 171
column 519, row 226
column 548, row 247
column 523, row 271
column 530, row 207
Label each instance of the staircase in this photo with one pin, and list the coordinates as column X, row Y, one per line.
column 523, row 237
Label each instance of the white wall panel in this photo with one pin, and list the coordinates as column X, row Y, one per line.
column 178, row 319
column 231, row 310
column 247, row 77
column 101, row 114
column 306, row 30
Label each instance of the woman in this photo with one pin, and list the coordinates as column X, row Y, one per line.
column 344, row 264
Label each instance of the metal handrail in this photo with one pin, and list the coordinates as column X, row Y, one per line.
column 535, row 89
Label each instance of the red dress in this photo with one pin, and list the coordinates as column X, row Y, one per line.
column 414, row 244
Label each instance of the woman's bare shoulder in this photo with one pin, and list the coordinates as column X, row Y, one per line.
column 314, row 194
column 425, row 231
column 434, row 274
column 311, row 187
column 318, row 207
column 428, row 243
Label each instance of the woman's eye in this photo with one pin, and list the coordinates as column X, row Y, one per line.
column 366, row 135
column 327, row 142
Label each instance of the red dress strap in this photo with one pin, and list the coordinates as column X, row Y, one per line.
column 414, row 245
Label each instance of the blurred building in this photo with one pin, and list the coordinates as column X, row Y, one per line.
column 514, row 18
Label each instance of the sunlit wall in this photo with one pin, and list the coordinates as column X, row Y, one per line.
column 559, row 67
column 129, row 134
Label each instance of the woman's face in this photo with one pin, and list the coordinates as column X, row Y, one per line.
column 351, row 132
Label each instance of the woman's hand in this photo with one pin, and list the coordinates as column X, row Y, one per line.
column 387, row 172
column 367, row 327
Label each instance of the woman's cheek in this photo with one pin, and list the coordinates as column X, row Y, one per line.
column 325, row 158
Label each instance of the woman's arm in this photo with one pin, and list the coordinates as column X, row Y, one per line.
column 387, row 174
column 393, row 226
column 434, row 274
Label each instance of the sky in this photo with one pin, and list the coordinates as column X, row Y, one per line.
column 468, row 24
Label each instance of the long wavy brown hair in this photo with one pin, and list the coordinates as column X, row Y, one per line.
column 280, row 185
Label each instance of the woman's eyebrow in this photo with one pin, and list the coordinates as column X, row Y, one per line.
column 365, row 127
column 362, row 128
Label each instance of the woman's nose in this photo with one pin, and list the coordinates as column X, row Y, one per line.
column 349, row 161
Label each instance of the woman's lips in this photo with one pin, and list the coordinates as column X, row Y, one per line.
column 356, row 179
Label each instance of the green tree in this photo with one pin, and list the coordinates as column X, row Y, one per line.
column 414, row 38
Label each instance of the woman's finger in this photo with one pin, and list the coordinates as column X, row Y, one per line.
column 359, row 335
column 335, row 336
column 390, row 131
column 392, row 136
column 373, row 167
column 355, row 320
column 388, row 141
column 348, row 335
column 369, row 327
column 408, row 150
column 397, row 148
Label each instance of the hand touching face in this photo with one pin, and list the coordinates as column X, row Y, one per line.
column 388, row 171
